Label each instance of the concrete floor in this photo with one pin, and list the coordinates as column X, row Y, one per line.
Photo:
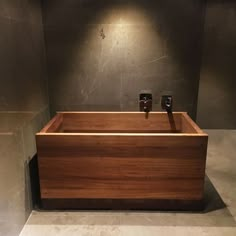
column 219, row 218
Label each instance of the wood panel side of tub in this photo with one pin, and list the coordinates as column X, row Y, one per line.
column 54, row 125
column 188, row 125
column 121, row 166
column 153, row 122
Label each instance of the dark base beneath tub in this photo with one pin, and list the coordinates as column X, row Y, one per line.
column 122, row 204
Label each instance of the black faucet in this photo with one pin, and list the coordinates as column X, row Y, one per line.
column 145, row 102
column 167, row 103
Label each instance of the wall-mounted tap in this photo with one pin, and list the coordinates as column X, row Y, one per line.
column 145, row 102
column 167, row 103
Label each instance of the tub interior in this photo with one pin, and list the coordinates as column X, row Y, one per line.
column 121, row 122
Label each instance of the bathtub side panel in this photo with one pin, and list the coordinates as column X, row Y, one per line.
column 121, row 166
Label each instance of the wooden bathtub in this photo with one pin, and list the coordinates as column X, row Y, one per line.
column 108, row 160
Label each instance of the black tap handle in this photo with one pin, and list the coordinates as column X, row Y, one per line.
column 167, row 103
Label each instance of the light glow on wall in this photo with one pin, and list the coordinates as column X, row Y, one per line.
column 124, row 37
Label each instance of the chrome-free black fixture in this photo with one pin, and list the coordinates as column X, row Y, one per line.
column 145, row 102
column 167, row 103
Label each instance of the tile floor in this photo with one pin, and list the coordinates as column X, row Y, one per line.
column 219, row 218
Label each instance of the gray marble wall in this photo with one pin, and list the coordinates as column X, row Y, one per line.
column 217, row 96
column 101, row 54
column 23, row 106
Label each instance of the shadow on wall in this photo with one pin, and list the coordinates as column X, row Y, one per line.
column 101, row 54
column 34, row 182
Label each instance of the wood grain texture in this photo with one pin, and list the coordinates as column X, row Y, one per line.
column 121, row 121
column 188, row 125
column 54, row 125
column 122, row 165
column 118, row 189
column 121, row 178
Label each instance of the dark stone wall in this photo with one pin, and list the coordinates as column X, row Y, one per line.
column 101, row 54
column 23, row 106
column 22, row 56
column 217, row 96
